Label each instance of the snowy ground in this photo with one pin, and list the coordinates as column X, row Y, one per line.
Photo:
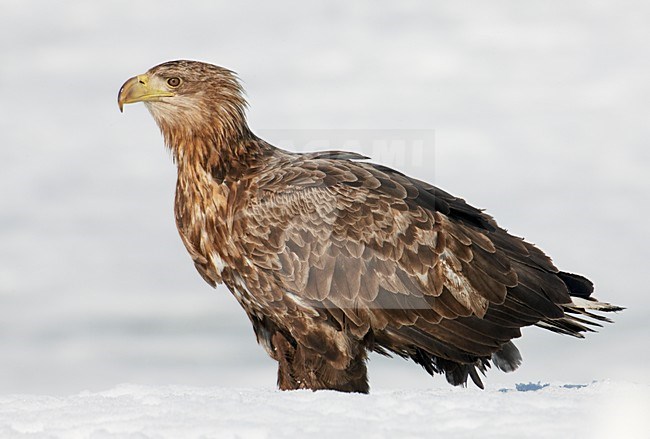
column 597, row 410
column 540, row 112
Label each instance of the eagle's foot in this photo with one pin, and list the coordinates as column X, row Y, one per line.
column 302, row 368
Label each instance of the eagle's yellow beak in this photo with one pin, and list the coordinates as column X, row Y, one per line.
column 139, row 89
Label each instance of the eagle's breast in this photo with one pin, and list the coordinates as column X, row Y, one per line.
column 201, row 218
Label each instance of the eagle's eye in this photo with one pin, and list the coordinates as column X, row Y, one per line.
column 174, row 82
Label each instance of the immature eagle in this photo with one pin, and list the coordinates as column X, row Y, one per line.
column 332, row 256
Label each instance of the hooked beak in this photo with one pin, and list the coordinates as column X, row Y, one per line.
column 138, row 89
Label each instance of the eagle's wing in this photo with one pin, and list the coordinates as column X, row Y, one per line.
column 371, row 250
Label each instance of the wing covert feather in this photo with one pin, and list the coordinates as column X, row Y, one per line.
column 377, row 251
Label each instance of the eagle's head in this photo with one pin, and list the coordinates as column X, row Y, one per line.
column 189, row 99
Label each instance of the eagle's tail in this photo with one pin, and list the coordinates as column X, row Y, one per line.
column 579, row 315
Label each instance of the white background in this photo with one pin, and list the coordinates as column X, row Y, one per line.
column 540, row 111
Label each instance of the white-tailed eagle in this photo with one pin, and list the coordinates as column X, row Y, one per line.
column 332, row 256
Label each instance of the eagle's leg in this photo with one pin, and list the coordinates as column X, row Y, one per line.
column 303, row 368
column 284, row 353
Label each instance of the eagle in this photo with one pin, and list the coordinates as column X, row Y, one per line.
column 332, row 256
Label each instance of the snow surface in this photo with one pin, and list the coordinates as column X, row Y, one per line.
column 598, row 410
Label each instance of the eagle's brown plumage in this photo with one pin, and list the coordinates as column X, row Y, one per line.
column 332, row 256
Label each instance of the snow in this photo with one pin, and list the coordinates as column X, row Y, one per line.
column 597, row 410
